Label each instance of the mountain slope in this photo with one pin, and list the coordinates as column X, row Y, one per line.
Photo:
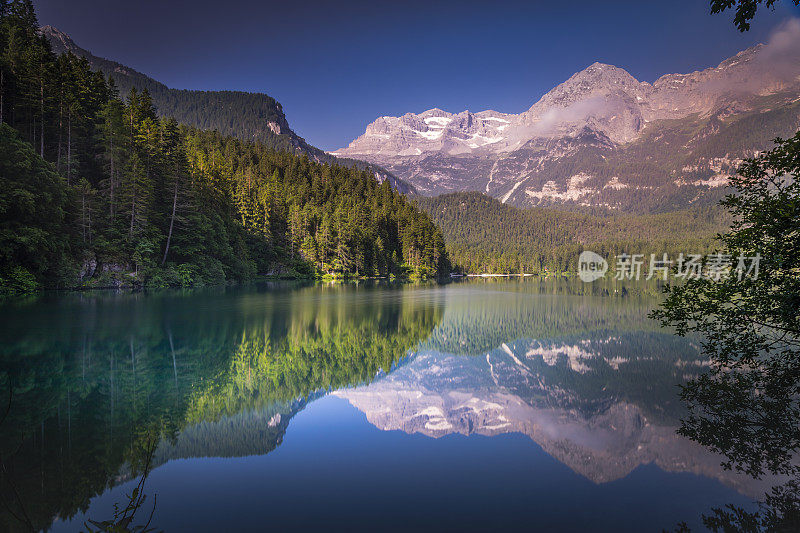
column 603, row 138
column 250, row 116
column 485, row 236
column 247, row 116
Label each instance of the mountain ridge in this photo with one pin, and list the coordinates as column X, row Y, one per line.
column 275, row 123
column 602, row 138
column 246, row 115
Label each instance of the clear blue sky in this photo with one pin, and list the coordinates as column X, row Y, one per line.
column 337, row 65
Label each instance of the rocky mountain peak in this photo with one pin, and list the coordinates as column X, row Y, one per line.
column 435, row 112
column 747, row 54
column 597, row 81
column 59, row 41
column 600, row 76
column 588, row 139
column 604, row 73
column 49, row 30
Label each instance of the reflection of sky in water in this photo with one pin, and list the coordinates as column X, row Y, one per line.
column 336, row 471
column 521, row 404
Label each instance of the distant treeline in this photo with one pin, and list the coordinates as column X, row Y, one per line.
column 486, row 236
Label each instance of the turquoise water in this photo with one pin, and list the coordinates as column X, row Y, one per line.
column 536, row 405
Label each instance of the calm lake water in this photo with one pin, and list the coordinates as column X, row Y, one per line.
column 535, row 405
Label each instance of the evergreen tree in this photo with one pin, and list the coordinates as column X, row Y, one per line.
column 33, row 199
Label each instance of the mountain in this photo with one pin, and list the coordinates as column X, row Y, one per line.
column 247, row 116
column 603, row 138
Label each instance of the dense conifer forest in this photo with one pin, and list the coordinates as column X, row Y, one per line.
column 486, row 236
column 97, row 190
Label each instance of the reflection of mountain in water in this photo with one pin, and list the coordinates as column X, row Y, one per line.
column 603, row 402
column 210, row 374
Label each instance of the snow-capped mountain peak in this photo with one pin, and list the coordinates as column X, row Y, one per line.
column 658, row 135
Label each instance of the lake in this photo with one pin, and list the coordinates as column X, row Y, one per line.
column 513, row 404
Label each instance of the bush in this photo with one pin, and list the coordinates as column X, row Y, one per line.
column 187, row 273
column 210, row 272
column 162, row 278
column 18, row 281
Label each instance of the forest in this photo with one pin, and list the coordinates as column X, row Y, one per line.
column 102, row 189
column 97, row 190
column 486, row 236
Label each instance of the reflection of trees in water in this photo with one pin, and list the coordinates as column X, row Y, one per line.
column 626, row 355
column 534, row 309
column 110, row 372
column 125, row 516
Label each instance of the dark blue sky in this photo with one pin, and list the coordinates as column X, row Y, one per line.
column 336, row 66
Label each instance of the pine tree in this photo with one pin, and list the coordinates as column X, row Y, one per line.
column 114, row 148
column 176, row 171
